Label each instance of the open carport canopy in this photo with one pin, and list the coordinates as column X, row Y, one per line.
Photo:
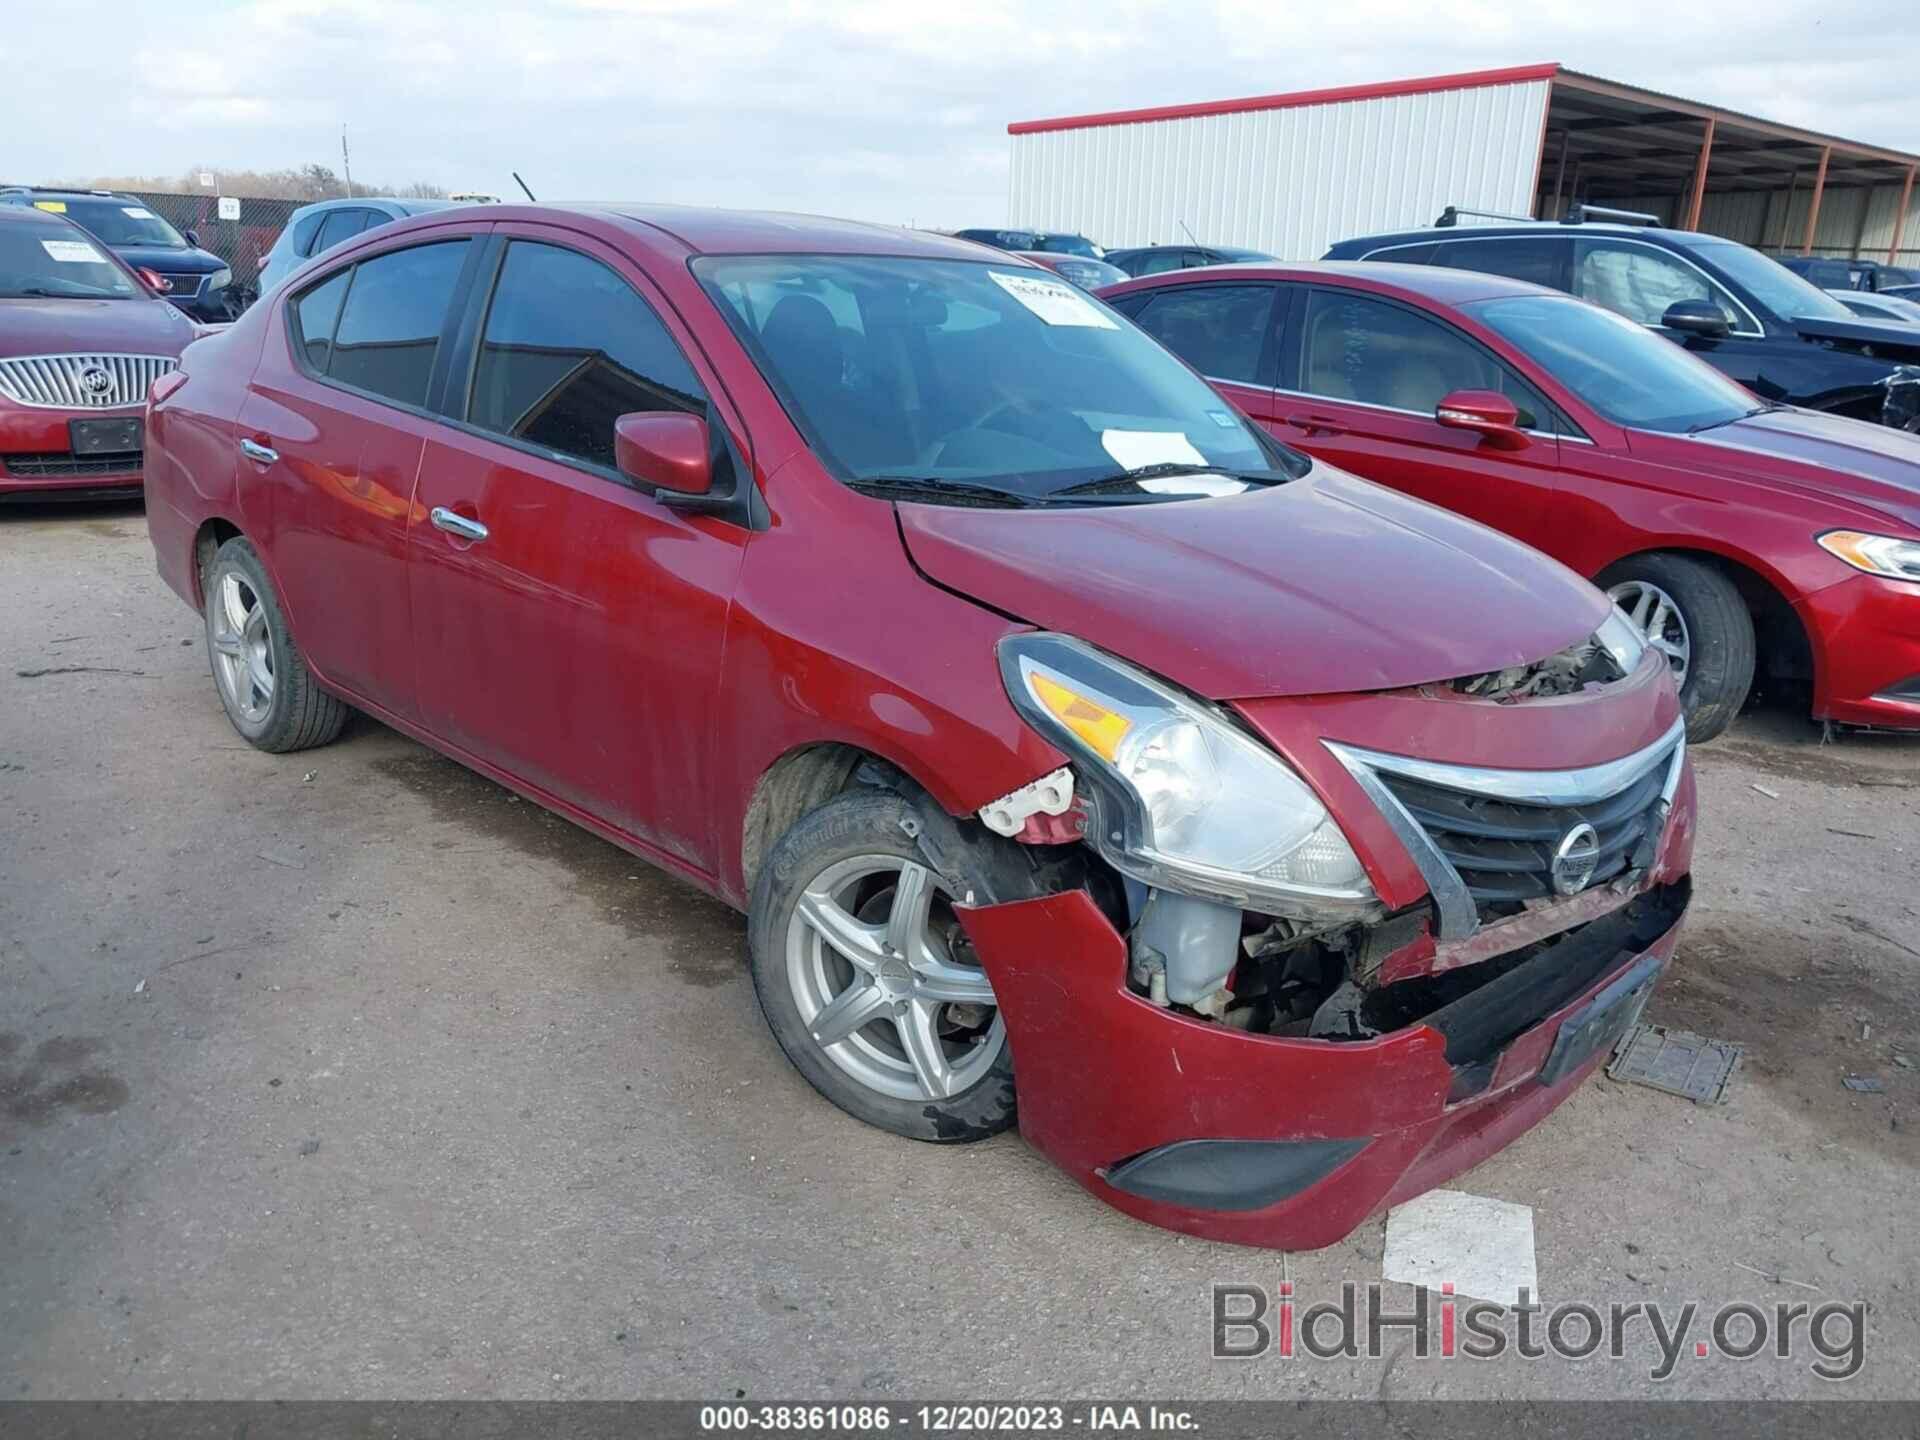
column 1700, row 167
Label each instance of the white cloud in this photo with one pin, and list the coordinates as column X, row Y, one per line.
column 887, row 110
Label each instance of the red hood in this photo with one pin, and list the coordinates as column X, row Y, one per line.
column 1826, row 456
column 139, row 326
column 1324, row 585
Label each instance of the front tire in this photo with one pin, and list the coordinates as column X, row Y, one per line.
column 1695, row 616
column 867, row 980
column 264, row 686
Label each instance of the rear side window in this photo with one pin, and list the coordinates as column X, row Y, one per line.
column 1374, row 353
column 315, row 313
column 1538, row 261
column 1158, row 262
column 568, row 348
column 304, row 232
column 1220, row 330
column 390, row 326
column 339, row 225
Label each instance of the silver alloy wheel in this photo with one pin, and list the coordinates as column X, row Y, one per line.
column 242, row 647
column 1654, row 613
column 879, row 971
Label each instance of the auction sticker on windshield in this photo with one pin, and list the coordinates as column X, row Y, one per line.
column 72, row 251
column 1054, row 301
column 135, row 212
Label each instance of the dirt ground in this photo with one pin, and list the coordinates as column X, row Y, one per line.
column 350, row 1074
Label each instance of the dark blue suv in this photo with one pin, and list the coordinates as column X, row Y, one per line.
column 197, row 281
column 1740, row 311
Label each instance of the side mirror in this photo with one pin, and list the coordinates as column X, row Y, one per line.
column 1696, row 317
column 192, row 238
column 1488, row 414
column 664, row 450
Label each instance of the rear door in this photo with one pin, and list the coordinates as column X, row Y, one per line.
column 332, row 430
column 1359, row 378
column 1640, row 281
column 567, row 625
column 1225, row 331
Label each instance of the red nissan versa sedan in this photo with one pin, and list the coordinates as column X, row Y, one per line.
column 81, row 339
column 1730, row 530
column 1051, row 723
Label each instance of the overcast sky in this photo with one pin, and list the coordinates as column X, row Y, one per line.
column 892, row 111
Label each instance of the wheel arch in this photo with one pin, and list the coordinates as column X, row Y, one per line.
column 798, row 781
column 1784, row 648
column 214, row 532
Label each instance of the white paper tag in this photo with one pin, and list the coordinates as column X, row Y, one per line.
column 1137, row 449
column 1195, row 485
column 1054, row 301
column 75, row 252
column 135, row 212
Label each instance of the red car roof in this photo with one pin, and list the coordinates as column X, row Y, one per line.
column 1431, row 282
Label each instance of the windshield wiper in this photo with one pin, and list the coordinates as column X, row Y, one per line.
column 930, row 487
column 1706, row 425
column 1171, row 470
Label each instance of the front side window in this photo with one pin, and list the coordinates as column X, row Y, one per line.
column 568, row 349
column 1626, row 373
column 1220, row 330
column 50, row 261
column 910, row 369
column 1356, row 348
column 1642, row 283
column 389, row 330
column 1158, row 262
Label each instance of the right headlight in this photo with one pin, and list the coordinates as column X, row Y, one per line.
column 1876, row 554
column 1184, row 800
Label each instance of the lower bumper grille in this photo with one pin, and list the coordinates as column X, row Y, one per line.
column 61, row 465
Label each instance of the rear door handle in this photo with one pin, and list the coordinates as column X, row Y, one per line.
column 1317, row 424
column 258, row 453
column 454, row 524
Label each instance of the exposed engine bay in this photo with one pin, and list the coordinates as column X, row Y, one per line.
column 1567, row 673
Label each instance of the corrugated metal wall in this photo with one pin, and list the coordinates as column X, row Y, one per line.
column 1853, row 221
column 1290, row 181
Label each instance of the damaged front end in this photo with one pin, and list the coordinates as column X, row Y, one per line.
column 1301, row 961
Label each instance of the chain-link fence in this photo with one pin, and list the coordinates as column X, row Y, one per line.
column 242, row 243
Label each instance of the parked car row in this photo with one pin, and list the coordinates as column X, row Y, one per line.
column 1089, row 266
column 1190, row 734
column 168, row 262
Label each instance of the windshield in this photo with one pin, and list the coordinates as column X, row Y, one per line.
column 45, row 260
column 958, row 372
column 117, row 222
column 1786, row 294
column 1623, row 370
column 1069, row 245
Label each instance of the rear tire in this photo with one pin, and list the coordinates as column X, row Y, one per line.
column 264, row 686
column 1695, row 615
column 892, row 1019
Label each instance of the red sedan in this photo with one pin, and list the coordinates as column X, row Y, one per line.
column 1736, row 534
column 1040, row 712
column 81, row 339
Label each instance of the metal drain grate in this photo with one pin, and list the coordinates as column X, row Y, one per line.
column 1676, row 1061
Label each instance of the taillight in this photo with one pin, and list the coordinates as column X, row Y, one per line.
column 166, row 385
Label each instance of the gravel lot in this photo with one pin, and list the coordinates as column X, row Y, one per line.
column 350, row 1074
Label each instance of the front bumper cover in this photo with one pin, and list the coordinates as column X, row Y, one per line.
column 1299, row 1140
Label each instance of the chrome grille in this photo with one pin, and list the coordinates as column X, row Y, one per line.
column 74, row 382
column 1485, row 839
column 185, row 287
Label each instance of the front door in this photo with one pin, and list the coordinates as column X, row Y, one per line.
column 1360, row 378
column 568, row 627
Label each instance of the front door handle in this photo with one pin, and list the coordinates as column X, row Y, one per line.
column 1316, row 424
column 258, row 453
column 454, row 524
